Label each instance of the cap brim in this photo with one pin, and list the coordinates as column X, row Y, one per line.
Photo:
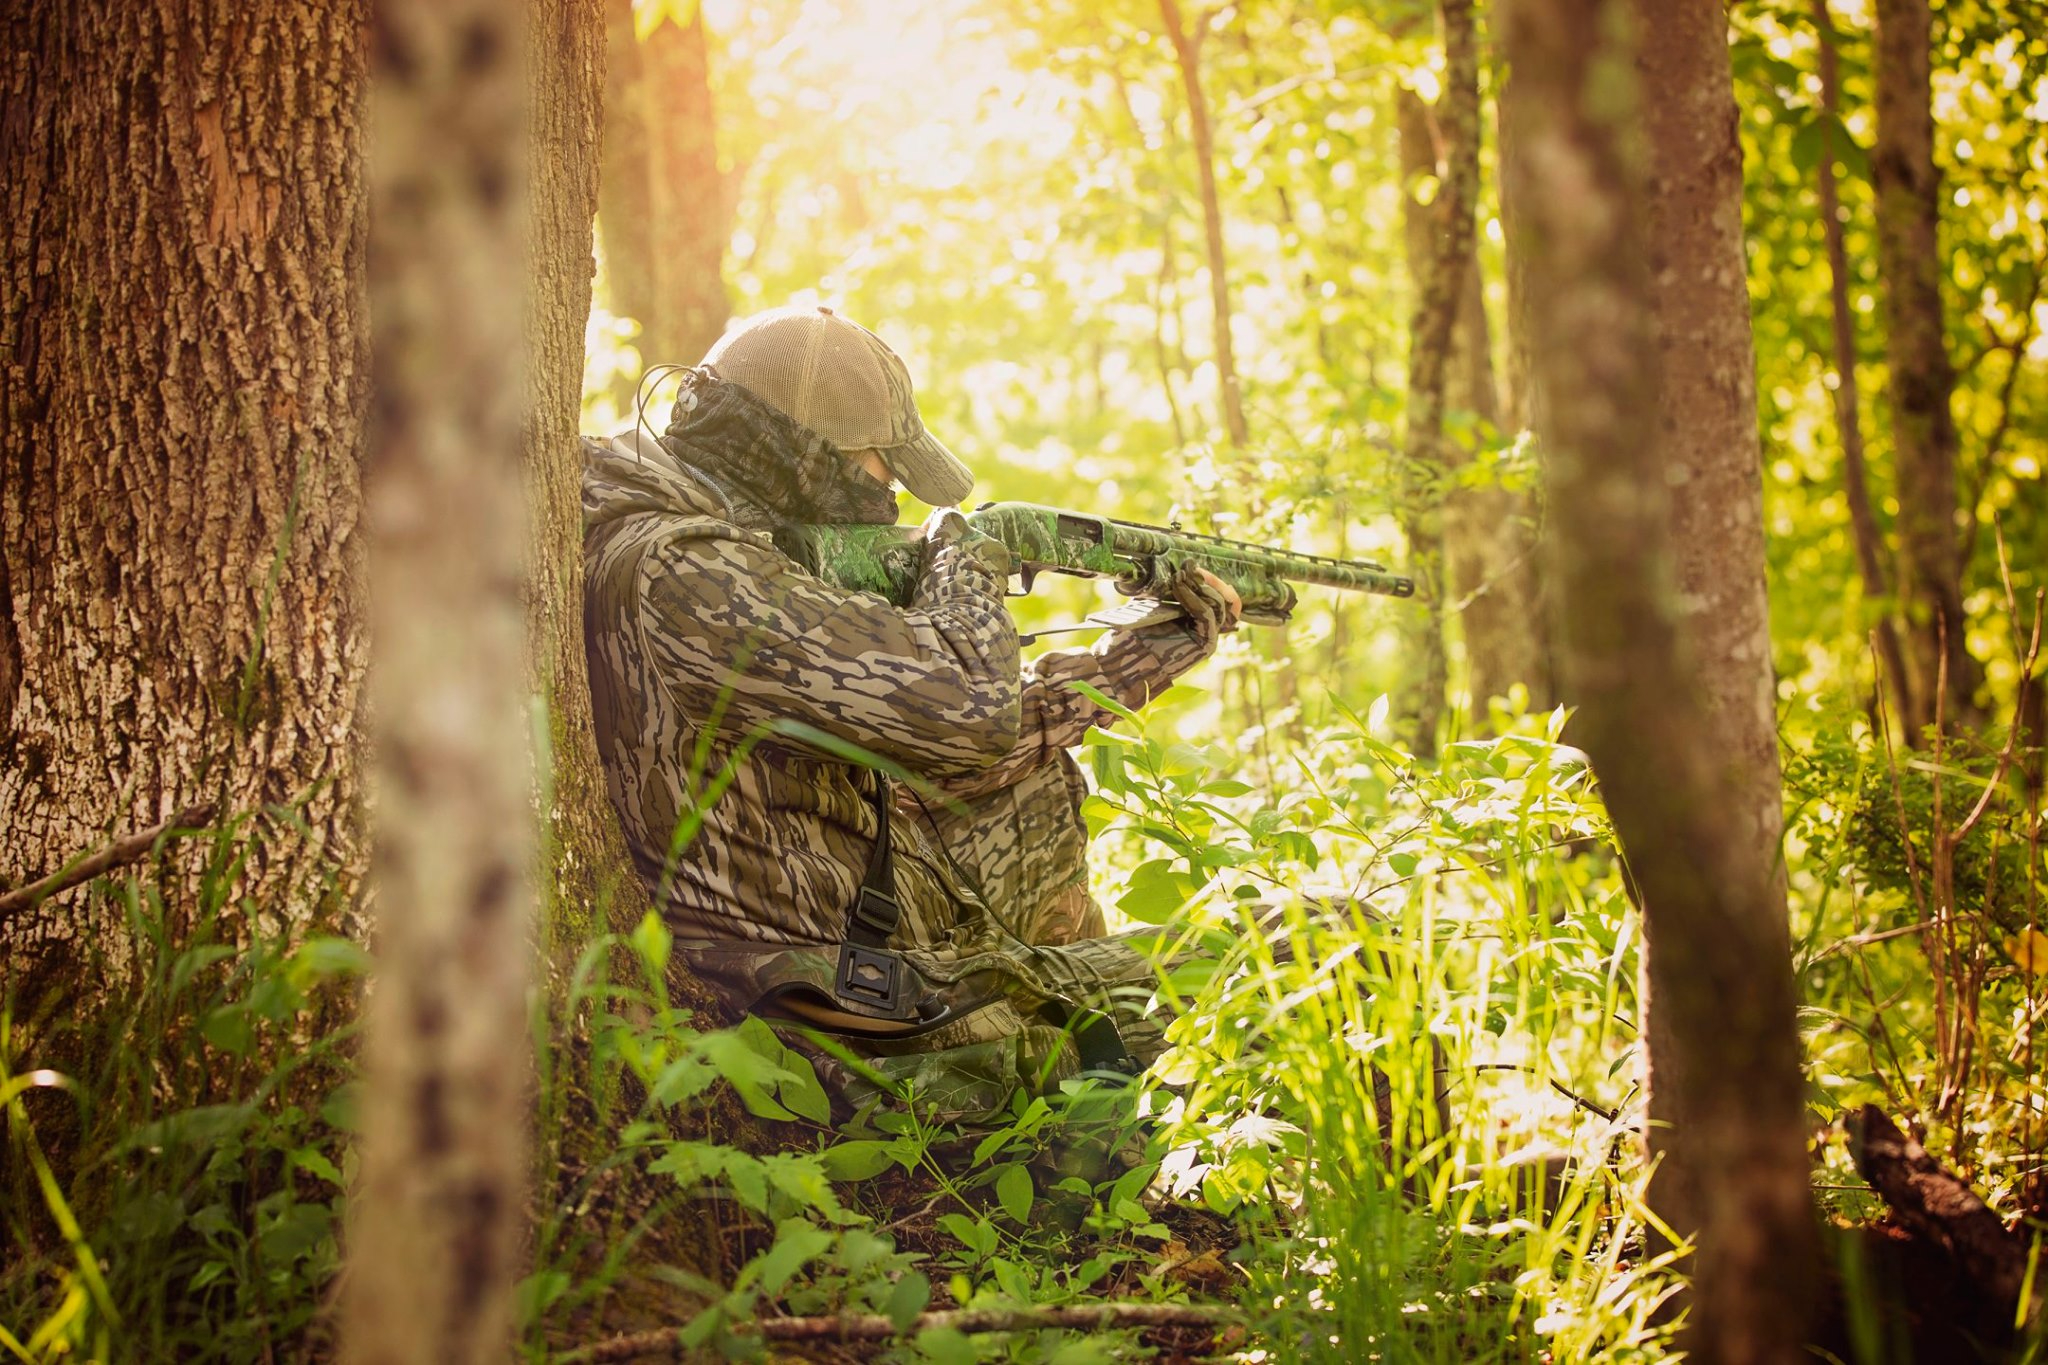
column 931, row 473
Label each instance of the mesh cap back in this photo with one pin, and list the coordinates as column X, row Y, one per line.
column 843, row 382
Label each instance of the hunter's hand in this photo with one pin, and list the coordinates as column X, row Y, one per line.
column 947, row 526
column 1233, row 605
column 1213, row 607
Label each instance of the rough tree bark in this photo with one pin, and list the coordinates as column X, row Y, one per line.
column 446, row 1057
column 590, row 883
column 1440, row 244
column 185, row 355
column 664, row 213
column 1720, row 1002
column 1187, row 52
column 1708, row 450
column 1922, row 376
column 1870, row 549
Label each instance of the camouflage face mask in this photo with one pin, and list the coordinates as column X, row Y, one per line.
column 771, row 471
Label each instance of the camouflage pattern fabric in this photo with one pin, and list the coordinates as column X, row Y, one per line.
column 703, row 635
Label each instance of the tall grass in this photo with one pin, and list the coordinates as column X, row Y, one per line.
column 1413, row 1059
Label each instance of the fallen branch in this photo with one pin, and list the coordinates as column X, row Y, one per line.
column 117, row 854
column 875, row 1327
column 1937, row 1205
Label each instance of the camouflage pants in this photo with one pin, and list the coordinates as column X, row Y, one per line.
column 1037, row 990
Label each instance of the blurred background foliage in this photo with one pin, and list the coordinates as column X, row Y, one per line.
column 1006, row 190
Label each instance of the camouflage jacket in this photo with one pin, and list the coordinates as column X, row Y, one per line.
column 702, row 635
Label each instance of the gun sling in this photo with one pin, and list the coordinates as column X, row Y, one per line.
column 873, row 994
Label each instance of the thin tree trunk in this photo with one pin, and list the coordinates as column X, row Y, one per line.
column 1525, row 407
column 626, row 214
column 1605, row 266
column 1855, row 477
column 1440, row 245
column 692, row 222
column 1489, row 550
column 185, row 363
column 1187, row 51
column 664, row 211
column 447, row 1061
column 1922, row 377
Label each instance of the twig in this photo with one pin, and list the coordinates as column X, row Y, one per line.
column 1574, row 1096
column 120, row 852
column 875, row 1327
column 1865, row 940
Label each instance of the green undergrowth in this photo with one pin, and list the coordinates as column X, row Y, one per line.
column 1395, row 1121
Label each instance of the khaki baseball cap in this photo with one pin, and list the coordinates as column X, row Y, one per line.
column 843, row 382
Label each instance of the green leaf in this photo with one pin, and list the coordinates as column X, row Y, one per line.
column 974, row 1234
column 802, row 1093
column 1097, row 814
column 313, row 1160
column 325, row 956
column 1155, row 892
column 343, row 1104
column 537, row 1293
column 652, row 940
column 201, row 1128
column 908, row 1299
column 947, row 1346
column 1014, row 1192
column 749, row 1180
column 801, row 1176
column 797, row 1243
column 1105, row 701
column 860, row 1160
column 1012, row 1279
column 229, row 1029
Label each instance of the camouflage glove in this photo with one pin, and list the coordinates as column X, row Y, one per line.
column 1210, row 609
column 946, row 528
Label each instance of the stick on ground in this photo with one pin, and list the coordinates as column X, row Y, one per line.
column 1936, row 1204
column 875, row 1327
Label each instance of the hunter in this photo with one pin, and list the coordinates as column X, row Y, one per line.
column 946, row 937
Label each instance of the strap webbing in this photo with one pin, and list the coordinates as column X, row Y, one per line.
column 874, row 914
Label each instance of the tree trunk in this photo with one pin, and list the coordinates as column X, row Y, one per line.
column 1187, row 51
column 1922, row 377
column 1848, row 413
column 1524, row 408
column 183, row 390
column 589, row 876
column 625, row 212
column 693, row 219
column 1606, row 262
column 446, row 1054
column 1489, row 549
column 665, row 214
column 1440, row 241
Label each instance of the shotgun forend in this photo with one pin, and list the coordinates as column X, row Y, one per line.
column 1140, row 559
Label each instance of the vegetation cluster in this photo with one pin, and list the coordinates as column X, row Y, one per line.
column 1166, row 265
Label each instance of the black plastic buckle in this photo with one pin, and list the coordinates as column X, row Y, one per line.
column 877, row 912
column 871, row 981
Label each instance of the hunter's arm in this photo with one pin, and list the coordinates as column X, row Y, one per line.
column 1129, row 666
column 733, row 628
